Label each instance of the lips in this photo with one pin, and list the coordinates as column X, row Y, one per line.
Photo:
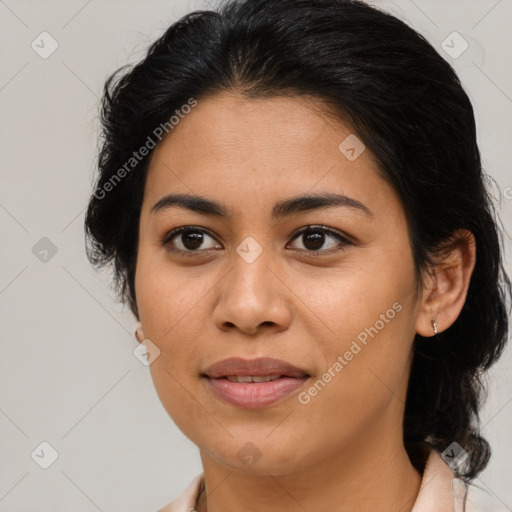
column 253, row 383
column 263, row 366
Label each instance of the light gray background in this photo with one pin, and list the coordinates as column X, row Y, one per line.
column 68, row 373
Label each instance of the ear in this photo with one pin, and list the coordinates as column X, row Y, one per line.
column 446, row 284
column 139, row 335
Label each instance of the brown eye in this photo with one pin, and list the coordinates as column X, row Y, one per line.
column 320, row 239
column 189, row 239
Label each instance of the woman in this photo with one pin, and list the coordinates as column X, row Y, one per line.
column 292, row 198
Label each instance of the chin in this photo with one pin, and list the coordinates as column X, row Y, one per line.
column 258, row 455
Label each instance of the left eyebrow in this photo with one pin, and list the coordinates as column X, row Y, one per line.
column 316, row 202
column 280, row 210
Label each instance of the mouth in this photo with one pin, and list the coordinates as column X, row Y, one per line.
column 253, row 383
column 252, row 378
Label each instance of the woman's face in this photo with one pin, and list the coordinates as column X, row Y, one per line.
column 335, row 304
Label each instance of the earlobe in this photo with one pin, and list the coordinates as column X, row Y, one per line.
column 448, row 284
column 139, row 335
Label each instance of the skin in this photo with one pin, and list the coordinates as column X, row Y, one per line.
column 343, row 450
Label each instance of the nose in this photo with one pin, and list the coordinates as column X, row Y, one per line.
column 252, row 298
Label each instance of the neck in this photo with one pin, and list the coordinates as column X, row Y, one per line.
column 365, row 476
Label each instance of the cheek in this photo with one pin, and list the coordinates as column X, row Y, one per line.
column 344, row 302
column 163, row 296
column 368, row 311
column 179, row 398
column 170, row 306
column 168, row 321
column 365, row 373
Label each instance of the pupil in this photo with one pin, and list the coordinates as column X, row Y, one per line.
column 316, row 239
column 192, row 240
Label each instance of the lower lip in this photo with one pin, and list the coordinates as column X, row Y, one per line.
column 254, row 395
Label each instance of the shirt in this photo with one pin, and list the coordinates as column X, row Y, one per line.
column 440, row 491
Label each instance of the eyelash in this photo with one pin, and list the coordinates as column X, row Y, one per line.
column 166, row 242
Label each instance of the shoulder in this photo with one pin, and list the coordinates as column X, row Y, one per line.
column 186, row 501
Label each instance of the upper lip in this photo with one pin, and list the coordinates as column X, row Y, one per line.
column 254, row 367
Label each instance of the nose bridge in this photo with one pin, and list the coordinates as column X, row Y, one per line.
column 250, row 250
column 251, row 272
column 251, row 295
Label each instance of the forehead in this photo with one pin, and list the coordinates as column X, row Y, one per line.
column 231, row 126
column 240, row 149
